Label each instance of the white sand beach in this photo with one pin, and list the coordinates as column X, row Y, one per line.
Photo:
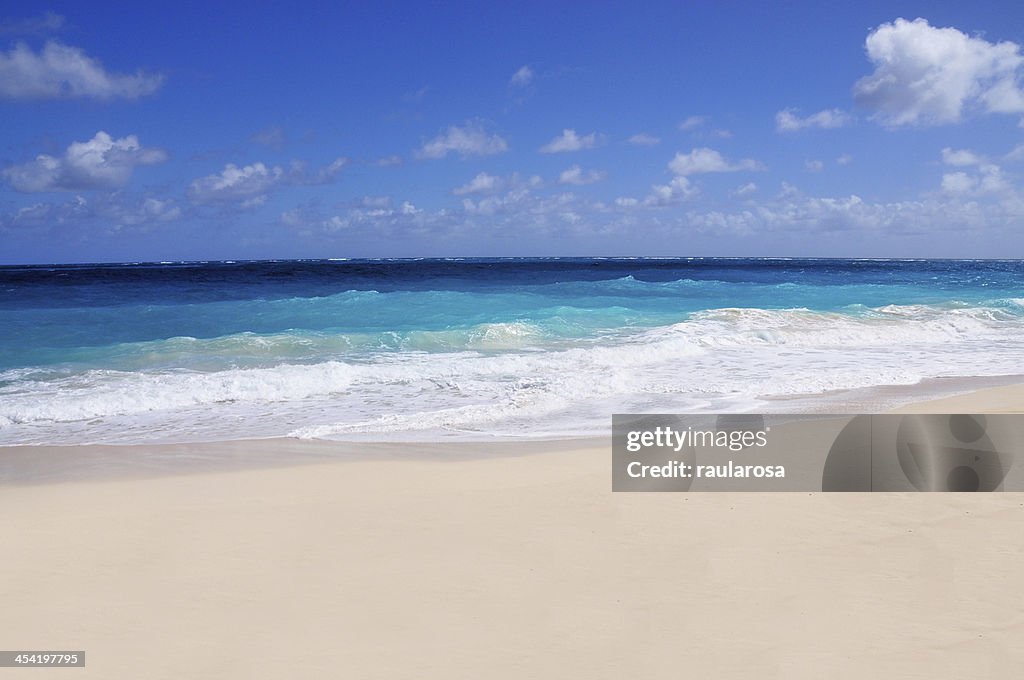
column 282, row 558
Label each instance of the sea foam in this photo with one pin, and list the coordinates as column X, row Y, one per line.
column 510, row 378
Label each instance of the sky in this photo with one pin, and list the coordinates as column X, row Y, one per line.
column 172, row 131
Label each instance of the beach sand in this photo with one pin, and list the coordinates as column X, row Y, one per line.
column 288, row 559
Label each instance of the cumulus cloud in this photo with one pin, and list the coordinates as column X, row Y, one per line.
column 960, row 157
column 929, row 75
column 506, row 214
column 249, row 185
column 113, row 212
column 570, row 141
column 235, row 183
column 958, row 183
column 788, row 120
column 800, row 215
column 679, row 189
column 481, row 184
column 61, row 71
column 704, row 160
column 102, row 162
column 814, row 165
column 493, row 205
column 516, row 211
column 385, row 220
column 485, row 184
column 469, row 140
column 147, row 211
column 978, row 177
column 575, row 175
column 522, row 77
column 48, row 216
column 844, row 159
column 986, row 179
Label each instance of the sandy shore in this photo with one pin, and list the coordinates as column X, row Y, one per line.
column 279, row 558
column 1002, row 399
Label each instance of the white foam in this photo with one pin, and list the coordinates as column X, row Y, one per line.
column 511, row 378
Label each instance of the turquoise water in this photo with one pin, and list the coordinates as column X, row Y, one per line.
column 475, row 347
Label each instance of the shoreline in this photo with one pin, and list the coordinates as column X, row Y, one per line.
column 36, row 464
column 498, row 561
column 870, row 399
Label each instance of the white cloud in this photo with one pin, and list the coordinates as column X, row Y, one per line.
column 521, row 206
column 960, row 157
column 522, row 77
column 679, row 189
column 469, row 140
column 234, row 183
column 987, row 179
column 507, row 214
column 249, row 185
column 708, row 160
column 43, row 216
column 958, row 183
column 929, row 75
column 570, row 141
column 745, row 190
column 644, row 139
column 149, row 211
column 992, row 180
column 112, row 212
column 575, row 175
column 388, row 161
column 481, row 184
column 978, row 178
column 101, row 162
column 59, row 71
column 801, row 216
column 844, row 159
column 373, row 215
column 485, row 184
column 814, row 165
column 787, row 120
column 517, row 211
column 691, row 122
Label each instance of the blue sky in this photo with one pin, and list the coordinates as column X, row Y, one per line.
column 404, row 129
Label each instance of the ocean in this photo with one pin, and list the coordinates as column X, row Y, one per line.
column 470, row 348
